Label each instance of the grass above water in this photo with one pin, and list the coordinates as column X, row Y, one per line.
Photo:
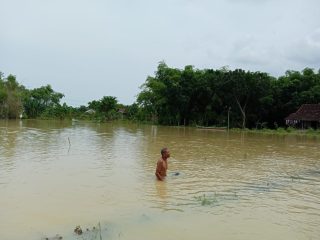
column 215, row 199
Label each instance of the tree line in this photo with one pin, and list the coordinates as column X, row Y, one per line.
column 173, row 96
column 206, row 97
column 16, row 101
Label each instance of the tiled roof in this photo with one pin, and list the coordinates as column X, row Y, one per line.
column 307, row 112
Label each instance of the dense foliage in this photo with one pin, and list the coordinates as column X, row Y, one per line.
column 174, row 96
column 11, row 94
column 205, row 97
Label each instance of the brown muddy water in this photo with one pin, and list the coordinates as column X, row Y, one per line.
column 230, row 186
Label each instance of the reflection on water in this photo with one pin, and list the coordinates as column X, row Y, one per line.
column 56, row 175
column 161, row 189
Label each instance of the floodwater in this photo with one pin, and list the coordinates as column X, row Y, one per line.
column 57, row 175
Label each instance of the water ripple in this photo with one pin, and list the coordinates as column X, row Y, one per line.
column 89, row 171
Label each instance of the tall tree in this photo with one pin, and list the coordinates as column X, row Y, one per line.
column 37, row 100
column 10, row 97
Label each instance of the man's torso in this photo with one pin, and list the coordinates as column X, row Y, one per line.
column 162, row 167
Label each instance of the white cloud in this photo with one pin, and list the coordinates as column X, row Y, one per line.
column 250, row 50
column 307, row 49
column 111, row 46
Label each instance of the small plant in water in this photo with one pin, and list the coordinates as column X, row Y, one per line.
column 205, row 201
column 89, row 234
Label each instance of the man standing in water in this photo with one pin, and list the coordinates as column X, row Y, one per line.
column 162, row 164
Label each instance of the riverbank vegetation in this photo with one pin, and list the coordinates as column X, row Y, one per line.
column 173, row 96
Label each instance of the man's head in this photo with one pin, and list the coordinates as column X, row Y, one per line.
column 165, row 153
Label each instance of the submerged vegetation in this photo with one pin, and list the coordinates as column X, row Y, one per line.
column 205, row 200
column 216, row 199
column 188, row 96
column 94, row 233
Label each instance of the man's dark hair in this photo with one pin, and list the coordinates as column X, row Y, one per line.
column 164, row 150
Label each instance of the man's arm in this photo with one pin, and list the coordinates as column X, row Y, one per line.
column 159, row 176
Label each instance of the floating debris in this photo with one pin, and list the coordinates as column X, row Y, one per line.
column 92, row 234
column 78, row 230
column 56, row 237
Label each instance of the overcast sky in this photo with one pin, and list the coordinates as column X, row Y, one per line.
column 88, row 49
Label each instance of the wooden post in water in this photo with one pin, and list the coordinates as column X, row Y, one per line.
column 229, row 117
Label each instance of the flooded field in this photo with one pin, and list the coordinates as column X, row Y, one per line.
column 57, row 175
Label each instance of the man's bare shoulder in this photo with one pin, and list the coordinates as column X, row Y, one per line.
column 160, row 162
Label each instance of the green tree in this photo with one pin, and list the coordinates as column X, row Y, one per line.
column 249, row 90
column 10, row 97
column 37, row 100
column 108, row 104
column 106, row 108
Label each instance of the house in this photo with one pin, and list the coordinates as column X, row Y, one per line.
column 307, row 116
column 122, row 111
column 90, row 111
